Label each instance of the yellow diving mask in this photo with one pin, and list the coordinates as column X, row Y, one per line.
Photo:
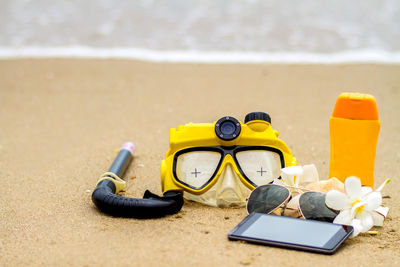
column 220, row 163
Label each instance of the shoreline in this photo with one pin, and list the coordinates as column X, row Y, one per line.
column 204, row 57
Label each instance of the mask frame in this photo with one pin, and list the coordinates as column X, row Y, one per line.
column 224, row 160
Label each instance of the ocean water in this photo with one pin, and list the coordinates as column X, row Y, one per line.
column 203, row 31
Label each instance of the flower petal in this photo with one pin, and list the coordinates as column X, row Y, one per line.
column 337, row 200
column 344, row 217
column 366, row 220
column 353, row 187
column 378, row 218
column 357, row 226
column 383, row 211
column 379, row 215
column 373, row 201
column 365, row 190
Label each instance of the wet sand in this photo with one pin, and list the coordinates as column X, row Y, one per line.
column 61, row 121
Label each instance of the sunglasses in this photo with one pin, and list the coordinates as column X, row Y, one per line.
column 278, row 200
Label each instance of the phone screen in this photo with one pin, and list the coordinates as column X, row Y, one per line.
column 301, row 233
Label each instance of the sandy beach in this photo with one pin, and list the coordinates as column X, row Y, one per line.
column 62, row 119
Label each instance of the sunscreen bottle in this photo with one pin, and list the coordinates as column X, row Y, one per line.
column 354, row 129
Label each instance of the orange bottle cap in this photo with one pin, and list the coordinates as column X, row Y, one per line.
column 356, row 106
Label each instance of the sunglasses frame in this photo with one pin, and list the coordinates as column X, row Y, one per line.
column 286, row 201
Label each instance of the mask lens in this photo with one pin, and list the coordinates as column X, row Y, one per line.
column 312, row 206
column 259, row 166
column 266, row 198
column 196, row 168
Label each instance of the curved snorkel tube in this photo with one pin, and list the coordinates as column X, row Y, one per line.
column 150, row 206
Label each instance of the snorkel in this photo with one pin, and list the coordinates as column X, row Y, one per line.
column 110, row 184
column 217, row 164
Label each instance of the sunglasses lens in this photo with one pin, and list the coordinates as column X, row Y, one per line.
column 312, row 206
column 266, row 198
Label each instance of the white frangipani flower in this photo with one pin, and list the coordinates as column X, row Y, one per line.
column 357, row 206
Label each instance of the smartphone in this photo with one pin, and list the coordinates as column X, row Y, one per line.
column 294, row 233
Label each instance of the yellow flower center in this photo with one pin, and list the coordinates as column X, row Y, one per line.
column 359, row 209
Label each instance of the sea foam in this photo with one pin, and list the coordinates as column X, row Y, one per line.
column 209, row 57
